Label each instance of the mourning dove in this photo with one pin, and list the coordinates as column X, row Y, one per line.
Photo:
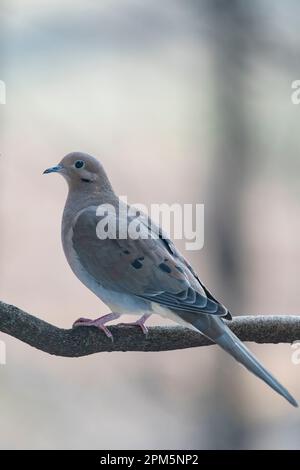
column 137, row 275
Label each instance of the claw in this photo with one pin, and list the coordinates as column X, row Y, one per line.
column 106, row 331
column 140, row 322
column 98, row 323
column 81, row 321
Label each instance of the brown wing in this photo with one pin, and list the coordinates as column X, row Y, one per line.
column 149, row 268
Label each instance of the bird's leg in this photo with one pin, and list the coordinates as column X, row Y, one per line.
column 98, row 323
column 140, row 322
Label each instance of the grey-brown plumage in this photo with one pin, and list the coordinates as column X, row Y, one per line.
column 143, row 275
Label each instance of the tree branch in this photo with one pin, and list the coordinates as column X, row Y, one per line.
column 82, row 341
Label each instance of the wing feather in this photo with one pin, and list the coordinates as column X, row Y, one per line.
column 149, row 268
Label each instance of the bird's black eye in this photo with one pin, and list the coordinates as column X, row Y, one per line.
column 79, row 164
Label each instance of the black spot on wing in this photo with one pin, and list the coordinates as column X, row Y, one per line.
column 137, row 264
column 164, row 267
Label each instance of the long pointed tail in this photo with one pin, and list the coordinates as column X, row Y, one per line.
column 223, row 336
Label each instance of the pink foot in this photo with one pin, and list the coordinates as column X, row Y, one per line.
column 98, row 323
column 140, row 322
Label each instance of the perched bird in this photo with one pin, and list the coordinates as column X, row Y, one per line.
column 143, row 275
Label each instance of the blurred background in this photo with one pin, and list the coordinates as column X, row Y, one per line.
column 196, row 94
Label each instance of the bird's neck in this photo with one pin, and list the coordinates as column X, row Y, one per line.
column 82, row 197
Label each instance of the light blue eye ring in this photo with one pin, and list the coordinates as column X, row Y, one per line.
column 79, row 164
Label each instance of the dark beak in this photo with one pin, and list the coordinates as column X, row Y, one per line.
column 54, row 169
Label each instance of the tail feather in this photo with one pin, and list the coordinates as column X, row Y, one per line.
column 227, row 340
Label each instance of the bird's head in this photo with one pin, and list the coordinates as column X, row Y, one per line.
column 81, row 170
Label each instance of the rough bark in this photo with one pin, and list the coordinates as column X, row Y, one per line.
column 82, row 341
